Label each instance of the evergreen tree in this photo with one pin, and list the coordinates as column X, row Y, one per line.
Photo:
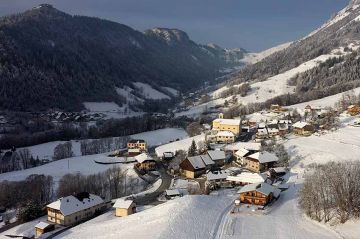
column 193, row 149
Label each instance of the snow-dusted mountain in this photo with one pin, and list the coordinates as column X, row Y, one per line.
column 51, row 59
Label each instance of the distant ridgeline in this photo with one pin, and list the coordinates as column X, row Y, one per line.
column 50, row 59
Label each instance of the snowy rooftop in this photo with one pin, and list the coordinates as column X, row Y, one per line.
column 243, row 145
column 263, row 188
column 242, row 152
column 247, row 177
column 217, row 175
column 121, row 203
column 172, row 192
column 228, row 121
column 264, row 157
column 207, row 160
column 216, row 155
column 143, row 157
column 42, row 225
column 70, row 204
column 197, row 162
column 300, row 124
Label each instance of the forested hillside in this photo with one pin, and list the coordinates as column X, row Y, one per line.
column 50, row 59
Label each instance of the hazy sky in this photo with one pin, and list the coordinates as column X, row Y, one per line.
column 252, row 24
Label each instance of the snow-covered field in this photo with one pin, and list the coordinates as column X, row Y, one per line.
column 83, row 164
column 161, row 136
column 178, row 145
column 110, row 109
column 187, row 217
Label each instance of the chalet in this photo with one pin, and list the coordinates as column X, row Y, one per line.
column 172, row 193
column 193, row 167
column 303, row 128
column 217, row 156
column 136, row 145
column 226, row 137
column 258, row 194
column 145, row 162
column 43, row 227
column 353, row 110
column 232, row 125
column 246, row 178
column 71, row 210
column 260, row 161
column 241, row 155
column 283, row 128
column 124, row 208
column 273, row 132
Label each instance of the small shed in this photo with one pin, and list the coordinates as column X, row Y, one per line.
column 172, row 193
column 43, row 227
column 124, row 208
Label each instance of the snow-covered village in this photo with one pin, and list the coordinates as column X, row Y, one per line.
column 120, row 133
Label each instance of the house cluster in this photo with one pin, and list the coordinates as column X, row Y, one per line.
column 60, row 116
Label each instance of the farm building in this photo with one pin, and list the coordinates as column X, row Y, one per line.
column 145, row 162
column 303, row 128
column 43, row 227
column 71, row 210
column 193, row 167
column 124, row 208
column 258, row 194
column 260, row 161
column 136, row 146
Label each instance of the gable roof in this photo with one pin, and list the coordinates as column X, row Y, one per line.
column 244, row 145
column 262, row 188
column 121, row 203
column 141, row 158
column 264, row 157
column 207, row 160
column 196, row 162
column 225, row 134
column 216, row 155
column 137, row 141
column 242, row 152
column 42, row 225
column 223, row 174
column 70, row 204
column 300, row 124
column 172, row 192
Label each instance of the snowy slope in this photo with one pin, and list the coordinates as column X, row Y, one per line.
column 252, row 58
column 187, row 217
column 149, row 92
column 110, row 109
column 264, row 90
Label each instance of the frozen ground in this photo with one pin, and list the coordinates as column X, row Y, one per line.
column 26, row 229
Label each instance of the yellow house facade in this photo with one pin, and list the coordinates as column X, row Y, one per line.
column 137, row 144
column 232, row 125
column 124, row 208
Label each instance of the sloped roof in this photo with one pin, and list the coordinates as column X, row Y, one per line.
column 42, row 225
column 247, row 177
column 244, row 145
column 300, row 124
column 264, row 157
column 216, row 155
column 197, row 162
column 143, row 157
column 263, row 188
column 70, row 204
column 121, row 203
column 207, row 160
column 242, row 152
